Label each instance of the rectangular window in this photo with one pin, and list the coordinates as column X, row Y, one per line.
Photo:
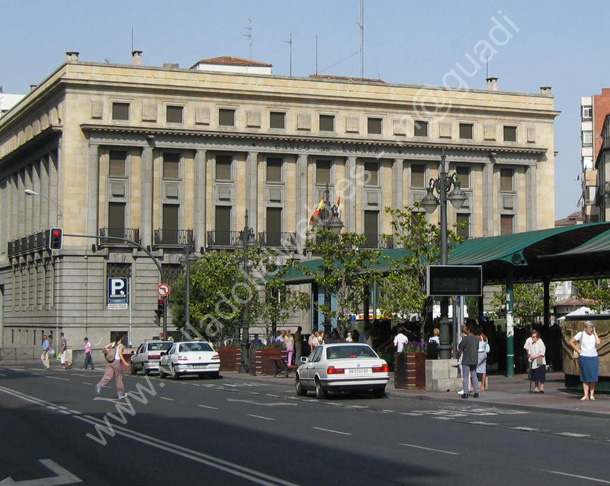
column 371, row 173
column 418, row 175
column 371, row 229
column 120, row 111
column 466, row 131
column 116, row 219
column 322, row 172
column 506, row 179
column 587, row 112
column 171, row 165
column 463, row 175
column 506, row 224
column 274, row 169
column 174, row 114
column 510, row 134
column 277, row 120
column 587, row 139
column 327, row 123
column 421, row 128
column 226, row 118
column 222, row 225
column 463, row 225
column 274, row 226
column 223, row 167
column 170, row 224
column 375, row 126
column 116, row 167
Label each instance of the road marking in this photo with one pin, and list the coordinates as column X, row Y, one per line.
column 78, row 374
column 331, row 431
column 572, row 434
column 577, row 476
column 488, row 424
column 411, row 414
column 525, row 429
column 3, row 375
column 215, row 462
column 432, row 450
column 168, row 399
column 53, row 377
column 87, row 383
column 275, row 404
column 63, row 476
column 260, row 417
column 205, row 406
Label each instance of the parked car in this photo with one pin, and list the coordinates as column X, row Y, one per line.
column 192, row 357
column 147, row 356
column 342, row 367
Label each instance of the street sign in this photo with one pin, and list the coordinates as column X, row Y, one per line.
column 118, row 293
column 448, row 280
column 164, row 289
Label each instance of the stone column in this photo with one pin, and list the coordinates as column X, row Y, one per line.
column 200, row 198
column 354, row 190
column 531, row 183
column 398, row 184
column 488, row 200
column 302, row 209
column 94, row 190
column 251, row 191
column 146, row 214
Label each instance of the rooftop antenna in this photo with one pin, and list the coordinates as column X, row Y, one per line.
column 316, row 55
column 132, row 39
column 289, row 42
column 361, row 25
column 248, row 34
column 487, row 67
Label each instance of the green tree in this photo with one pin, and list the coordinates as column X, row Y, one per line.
column 595, row 292
column 403, row 290
column 528, row 302
column 342, row 273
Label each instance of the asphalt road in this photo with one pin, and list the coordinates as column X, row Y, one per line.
column 237, row 430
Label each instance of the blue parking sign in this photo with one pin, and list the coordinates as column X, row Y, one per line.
column 118, row 293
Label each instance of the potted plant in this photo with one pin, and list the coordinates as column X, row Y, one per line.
column 261, row 359
column 410, row 366
column 230, row 357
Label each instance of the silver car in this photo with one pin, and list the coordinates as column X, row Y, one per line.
column 146, row 358
column 190, row 358
column 342, row 367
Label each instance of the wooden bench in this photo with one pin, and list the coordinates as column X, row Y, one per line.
column 282, row 367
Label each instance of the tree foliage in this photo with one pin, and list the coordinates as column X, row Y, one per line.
column 528, row 303
column 595, row 292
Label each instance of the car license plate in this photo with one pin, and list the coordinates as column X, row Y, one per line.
column 200, row 366
column 358, row 371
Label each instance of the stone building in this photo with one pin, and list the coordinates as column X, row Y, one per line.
column 172, row 157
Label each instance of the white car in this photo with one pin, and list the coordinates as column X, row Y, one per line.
column 190, row 358
column 146, row 358
column 342, row 367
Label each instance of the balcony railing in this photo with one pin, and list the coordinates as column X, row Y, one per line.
column 181, row 238
column 229, row 239
column 283, row 239
column 106, row 234
column 381, row 242
column 28, row 244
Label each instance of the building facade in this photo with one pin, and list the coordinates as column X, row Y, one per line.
column 174, row 158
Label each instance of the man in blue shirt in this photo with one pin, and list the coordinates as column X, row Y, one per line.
column 44, row 357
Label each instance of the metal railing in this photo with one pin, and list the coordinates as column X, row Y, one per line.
column 164, row 237
column 132, row 234
column 385, row 242
column 28, row 244
column 21, row 354
column 283, row 239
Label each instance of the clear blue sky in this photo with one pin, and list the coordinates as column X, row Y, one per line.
column 559, row 44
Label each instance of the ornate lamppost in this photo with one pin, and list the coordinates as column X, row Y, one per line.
column 443, row 186
column 248, row 240
column 187, row 260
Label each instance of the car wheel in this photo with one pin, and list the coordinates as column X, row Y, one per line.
column 146, row 371
column 201, row 375
column 215, row 375
column 379, row 392
column 301, row 391
column 320, row 390
column 161, row 374
column 175, row 375
column 133, row 370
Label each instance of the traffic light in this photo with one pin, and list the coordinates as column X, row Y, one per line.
column 160, row 307
column 56, row 236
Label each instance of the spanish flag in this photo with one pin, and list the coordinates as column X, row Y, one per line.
column 318, row 212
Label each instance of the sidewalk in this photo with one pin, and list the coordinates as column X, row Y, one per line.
column 514, row 392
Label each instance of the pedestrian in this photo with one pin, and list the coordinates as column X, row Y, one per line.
column 298, row 345
column 321, row 337
column 63, row 351
column 585, row 344
column 289, row 340
column 114, row 366
column 52, row 351
column 44, row 357
column 349, row 338
column 469, row 350
column 88, row 358
column 436, row 338
column 482, row 358
column 537, row 351
column 400, row 341
column 313, row 341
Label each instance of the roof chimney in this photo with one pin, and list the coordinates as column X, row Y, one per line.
column 136, row 58
column 72, row 56
column 546, row 90
column 492, row 84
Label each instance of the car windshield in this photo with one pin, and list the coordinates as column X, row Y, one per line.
column 347, row 351
column 195, row 347
column 159, row 346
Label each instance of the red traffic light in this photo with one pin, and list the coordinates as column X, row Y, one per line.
column 56, row 239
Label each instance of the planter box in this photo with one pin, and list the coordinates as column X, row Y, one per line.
column 410, row 370
column 230, row 358
column 261, row 360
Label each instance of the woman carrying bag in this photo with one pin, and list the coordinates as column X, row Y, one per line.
column 585, row 344
column 537, row 350
column 113, row 353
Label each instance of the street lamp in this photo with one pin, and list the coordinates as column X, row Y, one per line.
column 30, row 192
column 443, row 185
column 248, row 241
column 331, row 221
column 187, row 260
